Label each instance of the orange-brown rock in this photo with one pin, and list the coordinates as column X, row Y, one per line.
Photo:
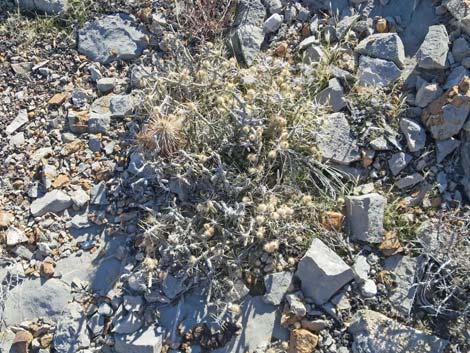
column 302, row 341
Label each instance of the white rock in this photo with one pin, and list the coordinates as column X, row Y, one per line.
column 414, row 133
column 428, row 93
column 19, row 121
column 273, row 23
column 369, row 289
column 54, row 201
column 15, row 237
column 433, row 51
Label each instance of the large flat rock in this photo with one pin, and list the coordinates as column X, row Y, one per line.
column 376, row 333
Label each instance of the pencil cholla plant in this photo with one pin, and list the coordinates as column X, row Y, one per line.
column 242, row 187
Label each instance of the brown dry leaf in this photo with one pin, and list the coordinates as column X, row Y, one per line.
column 60, row 181
column 58, row 99
column 332, row 220
column 390, row 244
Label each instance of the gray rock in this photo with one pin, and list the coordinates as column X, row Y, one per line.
column 276, row 285
column 247, row 34
column 313, row 54
column 428, row 93
column 409, row 181
column 455, row 77
column 50, row 7
column 273, row 23
column 332, row 96
column 335, row 140
column 99, row 123
column 433, row 51
column 121, row 105
column 402, row 294
column 113, row 37
column 138, row 76
column 145, row 341
column 361, row 268
column 414, row 133
column 380, row 144
column 365, row 217
column 172, row 286
column 386, row 46
column 95, row 73
column 54, row 201
column 98, row 194
column 398, row 162
column 376, row 333
column 106, row 84
column 273, row 6
column 259, row 324
column 34, row 299
column 79, row 197
column 128, row 323
column 322, row 272
column 71, row 334
column 460, row 49
column 450, row 122
column 19, row 121
column 296, row 304
column 377, row 72
column 445, row 147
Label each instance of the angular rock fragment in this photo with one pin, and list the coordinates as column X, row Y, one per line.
column 386, row 46
column 19, row 121
column 398, row 162
column 113, row 37
column 376, row 333
column 302, row 341
column 50, row 7
column 332, row 96
column 409, row 181
column 365, row 215
column 445, row 147
column 322, row 272
column 276, row 287
column 433, row 51
column 403, row 269
column 377, row 72
column 414, row 133
column 427, row 93
column 335, row 140
column 54, row 201
column 247, row 34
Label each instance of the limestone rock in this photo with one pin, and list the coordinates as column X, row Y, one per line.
column 376, row 333
column 433, row 51
column 414, row 133
column 54, row 201
column 322, row 272
column 377, row 72
column 335, row 140
column 365, row 217
column 332, row 96
column 71, row 333
column 113, row 37
column 147, row 341
column 386, row 46
column 50, row 7
column 276, row 287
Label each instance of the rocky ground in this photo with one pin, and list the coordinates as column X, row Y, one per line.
column 235, row 176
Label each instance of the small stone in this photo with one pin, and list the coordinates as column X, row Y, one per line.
column 18, row 139
column 54, row 201
column 433, row 51
column 368, row 289
column 296, row 305
column 302, row 341
column 332, row 96
column 19, row 121
column 313, row 54
column 49, row 7
column 15, row 237
column 427, row 93
column 314, row 325
column 381, row 25
column 386, row 46
column 361, row 268
column 106, row 84
column 274, row 6
column 5, row 219
column 79, row 197
column 409, row 181
column 121, row 105
column 414, row 133
column 99, row 123
column 273, row 23
column 445, row 147
column 22, row 68
column 95, row 73
column 398, row 162
column 322, row 265
column 58, row 99
column 365, row 216
column 377, row 72
column 455, row 77
column 276, row 287
column 47, row 269
column 460, row 49
column 98, row 194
